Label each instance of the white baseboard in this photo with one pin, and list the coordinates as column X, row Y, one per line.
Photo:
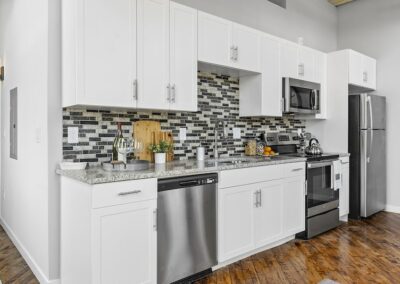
column 392, row 209
column 27, row 257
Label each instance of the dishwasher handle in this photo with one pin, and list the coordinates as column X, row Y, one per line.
column 189, row 183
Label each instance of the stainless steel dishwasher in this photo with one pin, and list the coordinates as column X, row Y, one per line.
column 187, row 227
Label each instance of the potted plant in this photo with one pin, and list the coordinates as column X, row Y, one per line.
column 160, row 151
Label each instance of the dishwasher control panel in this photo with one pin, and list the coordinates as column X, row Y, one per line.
column 185, row 182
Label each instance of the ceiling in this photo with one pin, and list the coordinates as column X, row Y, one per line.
column 339, row 2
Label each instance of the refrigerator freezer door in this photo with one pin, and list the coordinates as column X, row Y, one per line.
column 373, row 112
column 373, row 171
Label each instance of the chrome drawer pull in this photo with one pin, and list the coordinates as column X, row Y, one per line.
column 297, row 170
column 129, row 192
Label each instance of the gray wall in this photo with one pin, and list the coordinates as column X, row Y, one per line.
column 314, row 20
column 373, row 27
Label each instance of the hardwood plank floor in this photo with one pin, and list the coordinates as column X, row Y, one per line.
column 366, row 251
column 13, row 268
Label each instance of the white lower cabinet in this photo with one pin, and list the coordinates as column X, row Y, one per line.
column 109, row 232
column 235, row 225
column 252, row 216
column 124, row 243
column 344, row 201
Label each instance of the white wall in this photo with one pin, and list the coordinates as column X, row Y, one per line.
column 373, row 27
column 314, row 20
column 29, row 191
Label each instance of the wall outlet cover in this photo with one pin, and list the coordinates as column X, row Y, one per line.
column 237, row 133
column 182, row 134
column 73, row 135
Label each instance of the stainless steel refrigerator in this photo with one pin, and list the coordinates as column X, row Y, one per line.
column 367, row 146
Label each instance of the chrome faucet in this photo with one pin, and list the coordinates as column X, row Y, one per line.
column 218, row 124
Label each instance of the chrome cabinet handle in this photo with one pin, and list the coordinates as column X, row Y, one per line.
column 301, row 69
column 260, row 198
column 135, row 93
column 236, row 53
column 297, row 170
column 129, row 192
column 169, row 92
column 365, row 77
column 232, row 52
column 173, row 91
column 256, row 198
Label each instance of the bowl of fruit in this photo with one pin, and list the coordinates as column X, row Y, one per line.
column 268, row 152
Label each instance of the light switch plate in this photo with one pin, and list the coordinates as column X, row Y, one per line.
column 182, row 134
column 236, row 133
column 73, row 135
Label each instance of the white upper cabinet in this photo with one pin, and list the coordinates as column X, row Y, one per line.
column 183, row 57
column 129, row 54
column 307, row 64
column 215, row 41
column 99, row 52
column 362, row 70
column 289, row 62
column 245, row 50
column 153, row 54
column 261, row 95
column 224, row 43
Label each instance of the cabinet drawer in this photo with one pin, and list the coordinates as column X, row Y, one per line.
column 244, row 176
column 111, row 194
column 295, row 169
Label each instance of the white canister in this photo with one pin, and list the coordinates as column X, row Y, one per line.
column 200, row 153
column 159, row 158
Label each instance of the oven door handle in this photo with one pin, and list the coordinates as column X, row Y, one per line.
column 313, row 165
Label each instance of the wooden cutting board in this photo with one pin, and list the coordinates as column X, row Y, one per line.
column 149, row 132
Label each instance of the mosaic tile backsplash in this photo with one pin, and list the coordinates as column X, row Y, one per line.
column 218, row 99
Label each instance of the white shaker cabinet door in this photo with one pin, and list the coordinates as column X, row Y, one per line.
column 289, row 62
column 215, row 42
column 294, row 205
column 153, row 54
column 306, row 64
column 268, row 214
column 356, row 68
column 183, row 59
column 344, row 191
column 369, row 76
column 235, row 226
column 124, row 244
column 105, row 53
column 246, row 44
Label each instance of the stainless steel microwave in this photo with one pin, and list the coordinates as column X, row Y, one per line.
column 301, row 97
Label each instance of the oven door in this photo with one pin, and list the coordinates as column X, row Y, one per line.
column 321, row 196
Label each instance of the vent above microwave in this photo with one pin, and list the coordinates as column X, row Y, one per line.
column 281, row 3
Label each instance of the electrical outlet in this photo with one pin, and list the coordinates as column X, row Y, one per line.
column 236, row 133
column 182, row 134
column 73, row 135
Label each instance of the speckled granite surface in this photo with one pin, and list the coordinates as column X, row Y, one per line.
column 97, row 175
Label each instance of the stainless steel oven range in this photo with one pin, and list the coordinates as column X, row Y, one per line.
column 322, row 176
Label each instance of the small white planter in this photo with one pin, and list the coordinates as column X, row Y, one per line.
column 160, row 158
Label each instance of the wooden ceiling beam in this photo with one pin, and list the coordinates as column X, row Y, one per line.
column 339, row 2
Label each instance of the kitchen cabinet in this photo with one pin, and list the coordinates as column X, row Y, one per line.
column 294, row 211
column 109, row 232
column 307, row 64
column 268, row 213
column 261, row 95
column 124, row 243
column 289, row 60
column 145, row 56
column 99, row 68
column 255, row 211
column 344, row 201
column 236, row 221
column 362, row 70
column 224, row 43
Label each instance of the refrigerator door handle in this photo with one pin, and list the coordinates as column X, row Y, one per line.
column 371, row 120
column 364, row 166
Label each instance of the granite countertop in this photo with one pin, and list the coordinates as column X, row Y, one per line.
column 96, row 175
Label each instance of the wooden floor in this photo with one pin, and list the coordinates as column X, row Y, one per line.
column 13, row 268
column 358, row 252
